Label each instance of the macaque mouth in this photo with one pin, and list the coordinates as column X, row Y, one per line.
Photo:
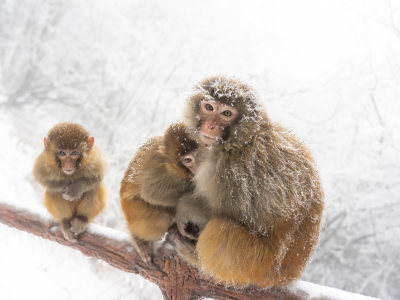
column 68, row 171
column 208, row 138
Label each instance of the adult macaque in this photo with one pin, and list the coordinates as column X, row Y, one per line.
column 71, row 169
column 158, row 175
column 261, row 183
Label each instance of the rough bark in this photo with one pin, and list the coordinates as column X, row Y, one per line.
column 176, row 279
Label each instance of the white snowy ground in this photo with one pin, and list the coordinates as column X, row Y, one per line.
column 327, row 69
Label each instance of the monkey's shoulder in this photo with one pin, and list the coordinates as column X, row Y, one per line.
column 46, row 169
column 92, row 164
column 144, row 155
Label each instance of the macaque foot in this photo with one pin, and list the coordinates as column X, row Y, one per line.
column 69, row 235
column 66, row 231
column 143, row 248
column 186, row 248
column 79, row 224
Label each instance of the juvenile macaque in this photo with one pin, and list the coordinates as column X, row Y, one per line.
column 71, row 169
column 261, row 183
column 158, row 175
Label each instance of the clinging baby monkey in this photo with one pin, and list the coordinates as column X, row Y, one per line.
column 158, row 175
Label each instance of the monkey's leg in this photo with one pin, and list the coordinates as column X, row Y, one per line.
column 66, row 229
column 62, row 210
column 146, row 221
column 57, row 206
column 302, row 246
column 233, row 255
column 79, row 224
column 143, row 248
column 92, row 203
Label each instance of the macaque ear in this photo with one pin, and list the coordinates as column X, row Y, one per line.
column 90, row 141
column 46, row 142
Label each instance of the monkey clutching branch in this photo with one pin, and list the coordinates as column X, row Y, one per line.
column 262, row 186
column 71, row 169
column 156, row 178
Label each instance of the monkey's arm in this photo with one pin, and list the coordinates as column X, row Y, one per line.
column 54, row 185
column 48, row 175
column 76, row 189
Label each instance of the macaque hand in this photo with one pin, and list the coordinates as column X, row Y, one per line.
column 189, row 229
column 72, row 192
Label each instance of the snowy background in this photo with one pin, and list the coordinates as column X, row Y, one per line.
column 327, row 69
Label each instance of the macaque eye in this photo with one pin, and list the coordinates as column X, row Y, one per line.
column 75, row 153
column 227, row 113
column 187, row 160
column 208, row 107
column 62, row 153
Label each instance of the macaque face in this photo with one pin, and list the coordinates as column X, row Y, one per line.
column 189, row 161
column 215, row 118
column 68, row 160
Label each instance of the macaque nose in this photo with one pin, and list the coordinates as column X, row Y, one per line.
column 68, row 166
column 211, row 126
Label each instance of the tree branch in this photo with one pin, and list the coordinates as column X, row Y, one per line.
column 176, row 279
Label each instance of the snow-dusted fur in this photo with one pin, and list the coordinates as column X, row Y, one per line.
column 153, row 183
column 264, row 190
column 87, row 178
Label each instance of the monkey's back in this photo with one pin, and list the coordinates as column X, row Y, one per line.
column 271, row 177
column 151, row 174
column 267, row 205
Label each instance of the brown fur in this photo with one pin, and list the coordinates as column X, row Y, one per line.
column 264, row 190
column 88, row 177
column 192, row 215
column 153, row 183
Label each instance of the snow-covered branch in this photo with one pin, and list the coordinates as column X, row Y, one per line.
column 176, row 279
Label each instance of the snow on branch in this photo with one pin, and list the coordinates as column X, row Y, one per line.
column 175, row 278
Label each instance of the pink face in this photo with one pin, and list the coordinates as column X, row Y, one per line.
column 215, row 116
column 68, row 157
column 68, row 160
column 189, row 161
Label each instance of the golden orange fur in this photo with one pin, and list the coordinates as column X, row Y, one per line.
column 85, row 181
column 152, row 185
column 92, row 204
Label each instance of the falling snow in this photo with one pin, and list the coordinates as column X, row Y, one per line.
column 327, row 70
